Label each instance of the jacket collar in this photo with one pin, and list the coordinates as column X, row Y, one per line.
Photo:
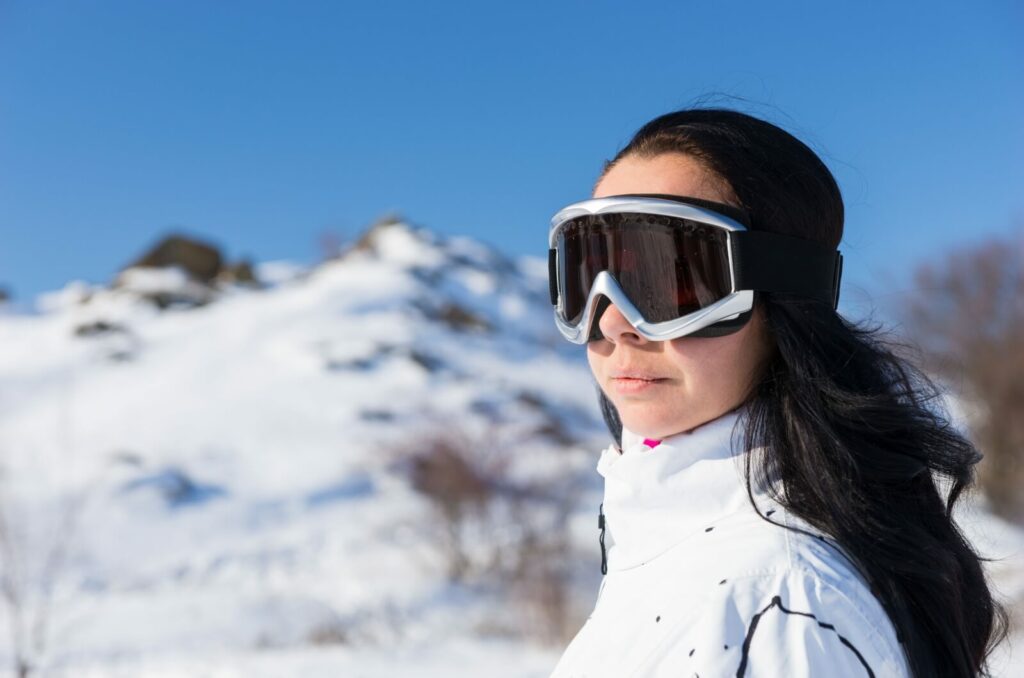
column 655, row 497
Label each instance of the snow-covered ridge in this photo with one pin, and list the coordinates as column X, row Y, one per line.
column 234, row 459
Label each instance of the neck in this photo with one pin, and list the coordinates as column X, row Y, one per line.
column 656, row 497
column 631, row 439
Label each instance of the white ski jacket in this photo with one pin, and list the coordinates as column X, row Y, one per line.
column 698, row 585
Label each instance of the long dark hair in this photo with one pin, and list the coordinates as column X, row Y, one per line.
column 852, row 430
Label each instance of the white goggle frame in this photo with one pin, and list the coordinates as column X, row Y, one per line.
column 727, row 308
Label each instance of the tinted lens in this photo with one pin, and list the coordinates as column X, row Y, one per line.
column 667, row 266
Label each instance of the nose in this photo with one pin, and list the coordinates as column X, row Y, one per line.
column 614, row 326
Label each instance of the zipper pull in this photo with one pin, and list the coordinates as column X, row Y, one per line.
column 600, row 524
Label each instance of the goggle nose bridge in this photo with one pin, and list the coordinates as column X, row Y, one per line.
column 606, row 285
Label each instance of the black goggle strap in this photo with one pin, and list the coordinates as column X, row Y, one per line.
column 768, row 262
column 771, row 262
column 553, row 275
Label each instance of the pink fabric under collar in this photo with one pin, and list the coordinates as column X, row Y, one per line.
column 651, row 443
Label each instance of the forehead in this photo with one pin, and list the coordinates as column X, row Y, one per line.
column 671, row 173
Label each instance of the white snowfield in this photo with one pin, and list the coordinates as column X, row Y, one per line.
column 221, row 488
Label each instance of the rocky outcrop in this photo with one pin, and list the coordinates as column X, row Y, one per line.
column 182, row 271
column 202, row 261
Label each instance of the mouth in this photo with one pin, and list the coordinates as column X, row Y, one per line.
column 636, row 380
column 637, row 375
column 632, row 384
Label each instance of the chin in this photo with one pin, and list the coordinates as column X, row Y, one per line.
column 649, row 427
column 659, row 427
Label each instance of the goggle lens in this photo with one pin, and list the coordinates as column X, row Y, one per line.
column 667, row 266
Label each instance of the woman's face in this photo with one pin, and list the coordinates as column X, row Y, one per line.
column 689, row 380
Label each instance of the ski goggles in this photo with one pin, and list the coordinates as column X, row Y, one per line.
column 674, row 266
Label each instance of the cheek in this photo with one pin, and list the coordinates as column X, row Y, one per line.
column 594, row 359
column 720, row 364
column 709, row 361
column 695, row 352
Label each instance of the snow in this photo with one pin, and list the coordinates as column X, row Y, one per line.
column 155, row 279
column 221, row 480
column 72, row 293
column 398, row 243
column 1004, row 543
column 279, row 272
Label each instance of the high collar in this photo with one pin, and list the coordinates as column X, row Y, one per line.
column 655, row 497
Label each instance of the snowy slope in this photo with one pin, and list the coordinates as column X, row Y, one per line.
column 1003, row 543
column 229, row 469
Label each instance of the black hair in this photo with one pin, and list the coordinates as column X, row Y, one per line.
column 853, row 432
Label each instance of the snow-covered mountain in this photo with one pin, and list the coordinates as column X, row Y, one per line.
column 235, row 476
column 382, row 465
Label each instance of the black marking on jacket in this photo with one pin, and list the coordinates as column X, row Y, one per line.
column 856, row 568
column 777, row 602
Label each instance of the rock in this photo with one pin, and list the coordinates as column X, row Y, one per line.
column 97, row 328
column 202, row 261
column 240, row 273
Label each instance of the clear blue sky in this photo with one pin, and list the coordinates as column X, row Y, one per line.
column 262, row 125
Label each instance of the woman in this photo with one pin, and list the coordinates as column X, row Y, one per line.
column 771, row 500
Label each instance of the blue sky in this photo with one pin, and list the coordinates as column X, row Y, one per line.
column 263, row 125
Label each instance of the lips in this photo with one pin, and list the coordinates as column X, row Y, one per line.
column 636, row 374
column 636, row 383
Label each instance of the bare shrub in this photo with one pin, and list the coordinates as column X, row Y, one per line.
column 509, row 536
column 30, row 571
column 458, row 484
column 968, row 319
column 540, row 572
column 334, row 633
